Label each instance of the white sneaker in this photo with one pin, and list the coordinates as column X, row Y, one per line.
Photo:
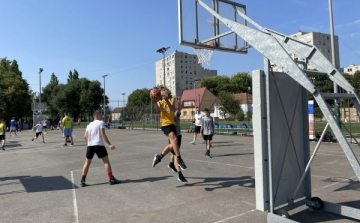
column 192, row 142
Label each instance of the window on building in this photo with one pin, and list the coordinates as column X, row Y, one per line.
column 181, row 61
column 186, row 82
column 186, row 72
column 185, row 113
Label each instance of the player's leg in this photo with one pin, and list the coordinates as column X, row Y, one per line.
column 158, row 157
column 90, row 152
column 42, row 135
column 112, row 179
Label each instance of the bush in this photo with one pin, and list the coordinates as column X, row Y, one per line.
column 240, row 115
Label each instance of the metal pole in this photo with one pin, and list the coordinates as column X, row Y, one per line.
column 333, row 60
column 104, row 98
column 40, row 70
column 123, row 94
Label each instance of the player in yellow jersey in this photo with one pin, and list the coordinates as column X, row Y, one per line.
column 166, row 109
column 2, row 134
column 67, row 124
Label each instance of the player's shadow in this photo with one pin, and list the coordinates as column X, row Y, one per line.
column 147, row 179
column 32, row 184
column 231, row 154
column 214, row 183
column 12, row 144
column 219, row 142
column 224, row 145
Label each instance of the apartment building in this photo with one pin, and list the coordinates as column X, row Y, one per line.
column 322, row 41
column 182, row 72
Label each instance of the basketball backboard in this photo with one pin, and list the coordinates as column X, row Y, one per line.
column 200, row 29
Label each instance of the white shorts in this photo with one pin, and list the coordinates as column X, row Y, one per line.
column 12, row 128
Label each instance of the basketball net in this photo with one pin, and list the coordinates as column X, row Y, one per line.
column 204, row 55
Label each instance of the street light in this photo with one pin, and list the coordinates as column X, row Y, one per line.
column 40, row 70
column 104, row 98
column 163, row 50
column 123, row 94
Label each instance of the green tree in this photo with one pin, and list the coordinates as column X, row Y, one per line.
column 139, row 97
column 14, row 91
column 240, row 83
column 229, row 105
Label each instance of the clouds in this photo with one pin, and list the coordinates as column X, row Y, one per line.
column 348, row 25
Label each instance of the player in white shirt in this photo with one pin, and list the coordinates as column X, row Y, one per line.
column 95, row 137
column 199, row 117
column 39, row 129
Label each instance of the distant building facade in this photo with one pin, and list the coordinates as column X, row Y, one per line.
column 181, row 71
column 322, row 41
column 351, row 69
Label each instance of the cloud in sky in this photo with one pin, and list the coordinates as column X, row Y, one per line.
column 353, row 23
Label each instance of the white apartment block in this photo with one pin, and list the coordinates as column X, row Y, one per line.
column 322, row 41
column 181, row 70
column 351, row 69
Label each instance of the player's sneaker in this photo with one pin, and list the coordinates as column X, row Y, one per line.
column 83, row 183
column 181, row 163
column 181, row 178
column 72, row 144
column 32, row 139
column 157, row 159
column 172, row 167
column 3, row 148
column 114, row 181
column 192, row 142
column 207, row 154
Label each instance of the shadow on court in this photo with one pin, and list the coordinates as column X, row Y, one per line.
column 233, row 154
column 349, row 184
column 214, row 183
column 33, row 184
column 147, row 179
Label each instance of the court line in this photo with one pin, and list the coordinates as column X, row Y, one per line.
column 333, row 184
column 224, row 220
column 76, row 215
column 225, row 164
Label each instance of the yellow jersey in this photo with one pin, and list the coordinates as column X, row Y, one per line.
column 166, row 115
column 67, row 121
column 1, row 129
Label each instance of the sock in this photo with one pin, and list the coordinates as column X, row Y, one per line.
column 110, row 175
column 83, row 177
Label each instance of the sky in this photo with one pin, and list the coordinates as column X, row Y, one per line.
column 120, row 37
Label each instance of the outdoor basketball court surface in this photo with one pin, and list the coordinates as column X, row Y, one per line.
column 40, row 182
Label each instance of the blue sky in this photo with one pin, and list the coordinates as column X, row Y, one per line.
column 120, row 37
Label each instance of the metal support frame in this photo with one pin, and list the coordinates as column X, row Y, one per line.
column 275, row 47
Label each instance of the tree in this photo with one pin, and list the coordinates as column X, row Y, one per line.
column 139, row 97
column 229, row 105
column 240, row 83
column 14, row 91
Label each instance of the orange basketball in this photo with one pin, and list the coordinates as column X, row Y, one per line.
column 155, row 93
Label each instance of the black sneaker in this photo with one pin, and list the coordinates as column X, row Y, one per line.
column 208, row 155
column 114, row 181
column 172, row 167
column 181, row 163
column 3, row 148
column 182, row 179
column 32, row 139
column 83, row 183
column 157, row 159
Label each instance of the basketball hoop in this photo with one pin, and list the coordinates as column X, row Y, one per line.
column 204, row 55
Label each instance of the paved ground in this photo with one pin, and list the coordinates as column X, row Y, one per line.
column 40, row 182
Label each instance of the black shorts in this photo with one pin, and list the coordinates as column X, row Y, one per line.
column 38, row 133
column 178, row 137
column 99, row 150
column 168, row 128
column 45, row 127
column 207, row 137
column 2, row 137
column 197, row 129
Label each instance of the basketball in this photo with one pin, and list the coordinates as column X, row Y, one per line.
column 155, row 93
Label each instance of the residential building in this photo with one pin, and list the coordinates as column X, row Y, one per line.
column 322, row 41
column 116, row 115
column 351, row 69
column 182, row 72
column 196, row 98
column 245, row 100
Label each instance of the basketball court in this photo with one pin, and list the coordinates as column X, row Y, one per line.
column 40, row 182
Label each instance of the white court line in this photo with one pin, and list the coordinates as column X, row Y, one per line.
column 330, row 185
column 224, row 220
column 76, row 215
column 225, row 164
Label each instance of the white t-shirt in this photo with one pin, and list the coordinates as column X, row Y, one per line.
column 39, row 127
column 94, row 133
column 199, row 119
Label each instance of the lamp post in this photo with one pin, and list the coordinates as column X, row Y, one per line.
column 104, row 76
column 333, row 60
column 163, row 50
column 123, row 94
column 40, row 70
